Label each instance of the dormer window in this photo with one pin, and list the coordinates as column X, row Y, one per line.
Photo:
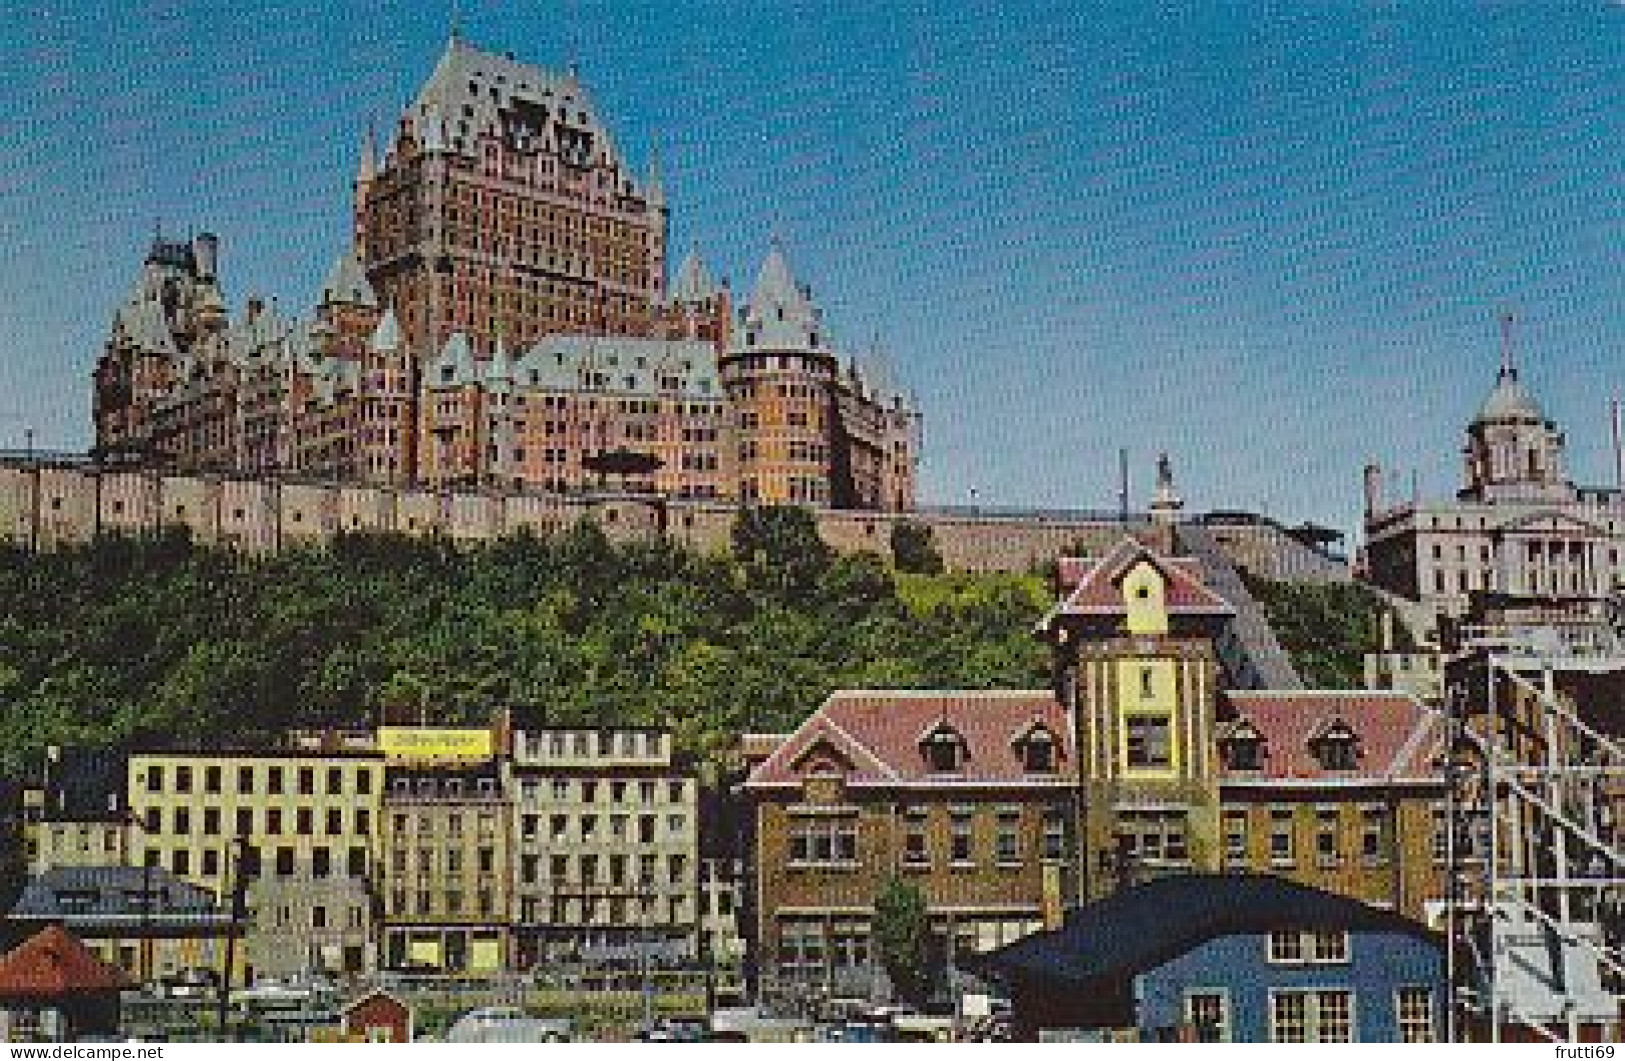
column 1336, row 747
column 1036, row 747
column 1242, row 748
column 943, row 748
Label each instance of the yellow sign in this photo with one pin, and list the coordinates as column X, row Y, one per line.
column 411, row 742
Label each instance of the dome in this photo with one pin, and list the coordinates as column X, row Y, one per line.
column 1509, row 401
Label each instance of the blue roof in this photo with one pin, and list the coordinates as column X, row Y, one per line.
column 83, row 894
column 1144, row 926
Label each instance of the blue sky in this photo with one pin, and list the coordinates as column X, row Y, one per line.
column 1269, row 238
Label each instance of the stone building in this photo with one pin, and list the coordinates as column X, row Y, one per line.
column 963, row 794
column 1519, row 526
column 309, row 825
column 1137, row 765
column 606, row 847
column 1339, row 790
column 447, row 878
column 500, row 318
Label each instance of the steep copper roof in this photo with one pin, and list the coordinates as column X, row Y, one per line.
column 1398, row 736
column 1094, row 587
column 51, row 963
column 874, row 737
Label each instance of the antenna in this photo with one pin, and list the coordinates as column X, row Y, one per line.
column 1122, row 483
column 1619, row 445
column 572, row 42
column 1507, row 367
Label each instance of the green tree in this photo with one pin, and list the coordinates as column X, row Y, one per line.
column 903, row 939
column 780, row 549
column 914, row 548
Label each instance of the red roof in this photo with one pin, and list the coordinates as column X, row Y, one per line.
column 1398, row 736
column 51, row 963
column 874, row 738
column 1095, row 587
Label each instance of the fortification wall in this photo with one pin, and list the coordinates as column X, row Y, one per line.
column 47, row 506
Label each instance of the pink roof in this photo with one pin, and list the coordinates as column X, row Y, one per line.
column 1399, row 737
column 1095, row 586
column 873, row 738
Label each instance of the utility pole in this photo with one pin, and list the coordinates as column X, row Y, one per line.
column 239, row 896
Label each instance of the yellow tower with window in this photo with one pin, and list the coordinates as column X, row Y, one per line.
column 1136, row 665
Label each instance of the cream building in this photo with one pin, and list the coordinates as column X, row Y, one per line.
column 1519, row 525
column 606, row 841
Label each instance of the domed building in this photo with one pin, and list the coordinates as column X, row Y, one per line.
column 1518, row 528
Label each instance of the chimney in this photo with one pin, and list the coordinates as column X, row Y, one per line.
column 256, row 306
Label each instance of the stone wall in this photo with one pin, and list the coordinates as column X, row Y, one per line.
column 46, row 505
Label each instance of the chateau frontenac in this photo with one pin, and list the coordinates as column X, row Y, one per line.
column 502, row 319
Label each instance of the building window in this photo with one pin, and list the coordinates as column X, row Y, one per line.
column 1281, row 846
column 1328, row 845
column 824, row 840
column 915, row 851
column 1235, row 837
column 1413, row 1010
column 273, row 780
column 943, row 749
column 1007, row 840
column 245, row 780
column 1295, row 946
column 1054, row 833
column 1286, row 946
column 155, row 778
column 1148, row 742
column 1208, row 1014
column 1441, row 835
column 245, row 821
column 961, row 850
column 1373, row 852
column 183, row 779
column 1242, row 749
column 307, row 781
column 335, row 821
column 1153, row 837
column 1036, row 748
column 211, row 780
column 335, row 781
column 1337, row 748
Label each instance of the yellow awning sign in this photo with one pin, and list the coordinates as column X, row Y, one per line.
column 413, row 742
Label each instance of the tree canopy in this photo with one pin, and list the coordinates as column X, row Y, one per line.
column 155, row 640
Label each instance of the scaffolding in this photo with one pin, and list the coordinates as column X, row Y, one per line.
column 1534, row 846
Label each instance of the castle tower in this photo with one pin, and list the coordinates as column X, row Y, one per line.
column 503, row 204
column 781, row 375
column 1513, row 452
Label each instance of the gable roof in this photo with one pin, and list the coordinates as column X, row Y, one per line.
column 1142, row 927
column 1399, row 735
column 1095, row 587
column 52, row 963
column 879, row 733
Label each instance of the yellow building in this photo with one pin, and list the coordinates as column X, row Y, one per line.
column 310, row 822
